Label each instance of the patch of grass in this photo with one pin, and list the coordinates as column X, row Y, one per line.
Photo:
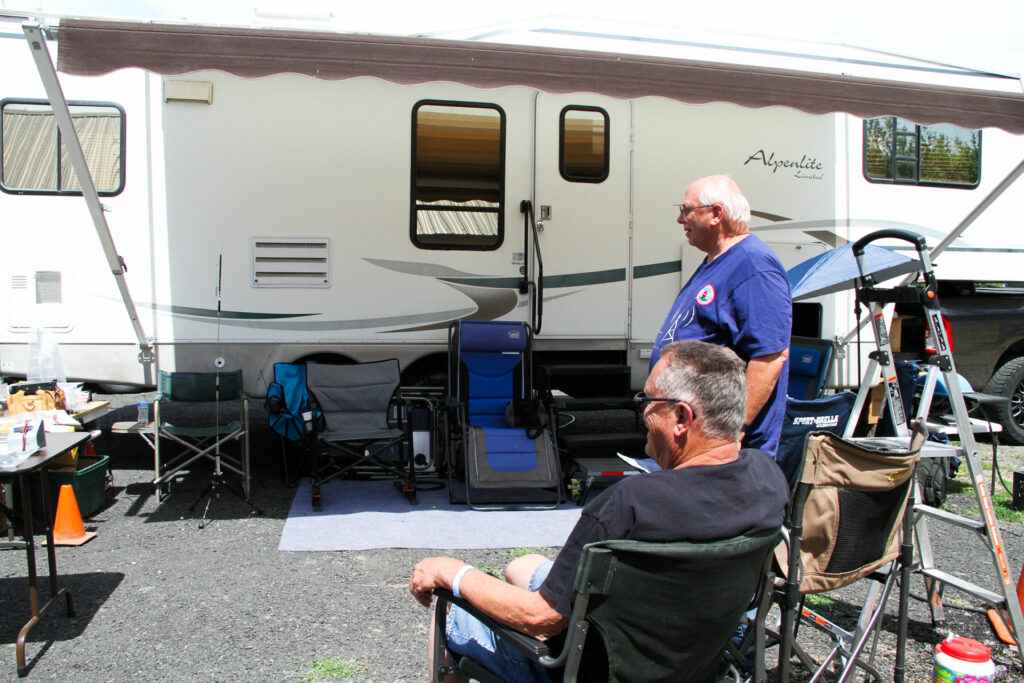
column 493, row 571
column 513, row 553
column 818, row 602
column 331, row 669
column 957, row 486
column 1001, row 503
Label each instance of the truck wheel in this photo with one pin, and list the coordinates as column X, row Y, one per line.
column 1009, row 382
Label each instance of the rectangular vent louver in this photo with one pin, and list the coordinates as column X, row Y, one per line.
column 291, row 262
column 48, row 287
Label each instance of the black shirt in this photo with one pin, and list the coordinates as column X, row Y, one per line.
column 697, row 503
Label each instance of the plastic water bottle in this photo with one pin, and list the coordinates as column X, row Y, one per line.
column 143, row 412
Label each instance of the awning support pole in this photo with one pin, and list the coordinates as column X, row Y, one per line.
column 69, row 136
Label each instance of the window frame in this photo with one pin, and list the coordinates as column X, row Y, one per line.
column 916, row 159
column 68, row 193
column 561, row 144
column 453, row 242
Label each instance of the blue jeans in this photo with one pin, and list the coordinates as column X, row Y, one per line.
column 467, row 636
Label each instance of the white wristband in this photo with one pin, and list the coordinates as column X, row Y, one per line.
column 458, row 579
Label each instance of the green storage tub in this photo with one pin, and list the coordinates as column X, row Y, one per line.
column 89, row 482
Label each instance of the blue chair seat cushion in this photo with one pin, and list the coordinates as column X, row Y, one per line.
column 501, row 457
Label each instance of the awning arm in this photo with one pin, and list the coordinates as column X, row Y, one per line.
column 955, row 233
column 69, row 136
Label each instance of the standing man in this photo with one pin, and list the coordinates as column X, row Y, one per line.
column 739, row 298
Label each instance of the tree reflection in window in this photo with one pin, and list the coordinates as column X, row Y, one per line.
column 899, row 151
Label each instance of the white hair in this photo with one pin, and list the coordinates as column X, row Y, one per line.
column 721, row 189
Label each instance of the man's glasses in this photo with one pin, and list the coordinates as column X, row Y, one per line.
column 685, row 210
column 641, row 398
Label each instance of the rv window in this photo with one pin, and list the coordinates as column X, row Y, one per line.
column 583, row 144
column 458, row 175
column 898, row 151
column 35, row 160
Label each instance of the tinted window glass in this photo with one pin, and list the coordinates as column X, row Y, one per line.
column 458, row 175
column 899, row 151
column 583, row 136
column 35, row 160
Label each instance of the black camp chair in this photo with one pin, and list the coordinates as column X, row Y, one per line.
column 848, row 521
column 363, row 424
column 501, row 439
column 641, row 612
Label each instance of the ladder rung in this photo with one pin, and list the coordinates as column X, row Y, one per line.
column 952, row 518
column 965, row 586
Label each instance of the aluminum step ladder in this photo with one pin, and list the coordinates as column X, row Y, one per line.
column 940, row 366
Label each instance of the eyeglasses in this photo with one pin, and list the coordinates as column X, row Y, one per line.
column 641, row 398
column 685, row 210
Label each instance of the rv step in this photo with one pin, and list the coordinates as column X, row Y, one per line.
column 964, row 586
column 597, row 445
column 951, row 518
column 585, row 380
column 569, row 403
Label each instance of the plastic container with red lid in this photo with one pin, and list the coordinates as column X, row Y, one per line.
column 963, row 660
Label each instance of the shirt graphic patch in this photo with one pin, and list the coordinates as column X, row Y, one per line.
column 706, row 295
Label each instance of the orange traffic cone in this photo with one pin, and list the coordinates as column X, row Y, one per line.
column 68, row 529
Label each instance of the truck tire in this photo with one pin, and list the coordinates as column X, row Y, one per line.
column 1008, row 381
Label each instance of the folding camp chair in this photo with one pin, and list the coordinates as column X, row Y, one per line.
column 649, row 605
column 849, row 521
column 825, row 414
column 810, row 361
column 363, row 420
column 490, row 390
column 287, row 405
column 205, row 440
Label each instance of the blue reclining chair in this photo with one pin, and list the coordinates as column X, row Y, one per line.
column 489, row 383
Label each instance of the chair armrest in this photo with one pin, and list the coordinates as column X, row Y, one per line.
column 531, row 647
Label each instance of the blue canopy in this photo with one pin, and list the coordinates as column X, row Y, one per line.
column 836, row 270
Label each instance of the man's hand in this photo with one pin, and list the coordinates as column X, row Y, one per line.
column 432, row 573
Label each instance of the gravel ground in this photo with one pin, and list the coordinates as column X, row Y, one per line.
column 158, row 599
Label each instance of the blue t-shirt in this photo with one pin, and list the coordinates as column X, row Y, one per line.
column 740, row 300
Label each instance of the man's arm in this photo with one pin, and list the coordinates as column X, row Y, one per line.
column 525, row 611
column 762, row 375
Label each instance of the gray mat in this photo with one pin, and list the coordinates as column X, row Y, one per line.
column 360, row 515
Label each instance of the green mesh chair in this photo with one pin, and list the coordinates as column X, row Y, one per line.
column 198, row 438
column 642, row 612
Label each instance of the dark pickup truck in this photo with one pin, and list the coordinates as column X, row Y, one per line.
column 986, row 325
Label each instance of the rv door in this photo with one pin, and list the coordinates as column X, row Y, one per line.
column 582, row 210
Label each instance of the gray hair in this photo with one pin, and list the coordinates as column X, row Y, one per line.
column 712, row 379
column 721, row 189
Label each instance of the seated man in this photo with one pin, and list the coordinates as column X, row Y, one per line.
column 708, row 489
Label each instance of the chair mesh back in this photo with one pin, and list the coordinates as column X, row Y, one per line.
column 664, row 611
column 354, row 396
column 855, row 501
column 200, row 386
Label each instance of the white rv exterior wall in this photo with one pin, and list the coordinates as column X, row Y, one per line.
column 291, row 156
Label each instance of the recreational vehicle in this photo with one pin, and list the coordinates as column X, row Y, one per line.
column 276, row 196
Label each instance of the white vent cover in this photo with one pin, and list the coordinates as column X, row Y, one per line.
column 291, row 262
column 39, row 298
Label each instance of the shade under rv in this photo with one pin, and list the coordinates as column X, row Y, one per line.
column 97, row 47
